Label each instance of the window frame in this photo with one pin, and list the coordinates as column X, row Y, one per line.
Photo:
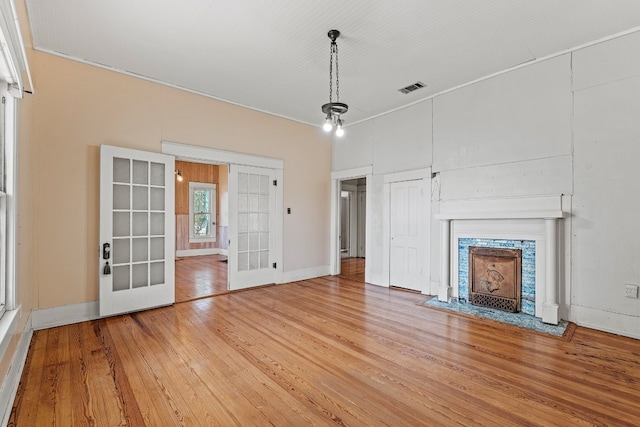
column 8, row 200
column 212, row 188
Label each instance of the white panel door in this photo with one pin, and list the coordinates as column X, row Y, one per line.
column 252, row 226
column 137, row 230
column 406, row 235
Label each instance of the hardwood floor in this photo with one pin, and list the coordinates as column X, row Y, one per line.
column 352, row 268
column 200, row 276
column 327, row 351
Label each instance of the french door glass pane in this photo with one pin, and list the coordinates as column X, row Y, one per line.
column 140, row 276
column 121, row 197
column 121, row 249
column 140, row 250
column 157, row 174
column 140, row 172
column 157, row 199
column 121, row 226
column 121, row 277
column 253, row 221
column 156, row 273
column 121, row 170
column 140, row 197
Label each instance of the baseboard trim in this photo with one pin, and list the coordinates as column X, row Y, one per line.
column 606, row 321
column 65, row 315
column 435, row 286
column 198, row 252
column 304, row 274
column 378, row 280
column 12, row 380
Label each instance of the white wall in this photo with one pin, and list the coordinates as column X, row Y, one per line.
column 606, row 230
column 506, row 136
column 568, row 125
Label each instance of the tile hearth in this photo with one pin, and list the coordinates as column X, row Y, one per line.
column 518, row 319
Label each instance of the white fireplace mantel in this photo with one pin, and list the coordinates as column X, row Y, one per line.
column 544, row 208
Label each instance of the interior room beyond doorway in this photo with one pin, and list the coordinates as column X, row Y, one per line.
column 353, row 218
column 201, row 230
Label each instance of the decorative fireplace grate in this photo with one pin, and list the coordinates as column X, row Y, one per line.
column 495, row 278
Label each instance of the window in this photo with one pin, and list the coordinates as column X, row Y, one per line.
column 3, row 201
column 7, row 198
column 202, row 212
column 13, row 66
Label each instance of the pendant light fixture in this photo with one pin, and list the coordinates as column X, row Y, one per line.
column 334, row 110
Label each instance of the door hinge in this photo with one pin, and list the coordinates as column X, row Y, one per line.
column 274, row 265
column 275, row 182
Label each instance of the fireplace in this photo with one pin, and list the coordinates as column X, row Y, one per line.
column 536, row 218
column 495, row 278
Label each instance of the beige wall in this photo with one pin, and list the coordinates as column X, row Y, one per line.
column 77, row 107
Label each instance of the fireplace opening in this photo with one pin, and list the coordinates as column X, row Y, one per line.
column 495, row 278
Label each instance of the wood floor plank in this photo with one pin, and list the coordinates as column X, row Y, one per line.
column 200, row 276
column 97, row 399
column 330, row 350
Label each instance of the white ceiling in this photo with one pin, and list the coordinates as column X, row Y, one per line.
column 273, row 55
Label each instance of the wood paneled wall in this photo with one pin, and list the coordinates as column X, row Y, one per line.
column 192, row 172
column 198, row 172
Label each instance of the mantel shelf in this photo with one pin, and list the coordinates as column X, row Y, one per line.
column 537, row 207
column 503, row 215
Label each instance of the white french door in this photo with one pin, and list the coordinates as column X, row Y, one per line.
column 405, row 262
column 137, row 230
column 252, row 226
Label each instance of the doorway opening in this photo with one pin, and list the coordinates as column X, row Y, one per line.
column 202, row 223
column 252, row 207
column 353, row 219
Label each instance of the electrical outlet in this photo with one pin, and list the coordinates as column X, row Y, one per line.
column 631, row 291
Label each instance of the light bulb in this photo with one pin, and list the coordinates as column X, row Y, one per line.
column 327, row 124
column 339, row 129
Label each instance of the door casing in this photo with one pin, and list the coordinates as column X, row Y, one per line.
column 193, row 153
column 425, row 176
column 336, row 179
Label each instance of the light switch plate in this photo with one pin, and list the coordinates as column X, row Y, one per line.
column 631, row 291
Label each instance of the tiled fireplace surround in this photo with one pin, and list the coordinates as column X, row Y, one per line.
column 519, row 218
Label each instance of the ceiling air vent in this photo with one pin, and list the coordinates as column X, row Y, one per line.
column 411, row 88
